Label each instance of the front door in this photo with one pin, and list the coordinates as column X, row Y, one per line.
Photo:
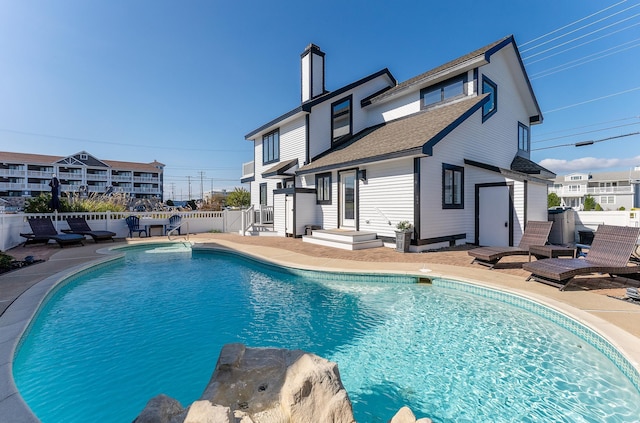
column 348, row 206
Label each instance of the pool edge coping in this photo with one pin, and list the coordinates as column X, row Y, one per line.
column 12, row 402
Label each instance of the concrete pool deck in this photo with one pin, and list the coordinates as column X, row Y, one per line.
column 589, row 302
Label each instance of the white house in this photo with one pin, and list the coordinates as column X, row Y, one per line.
column 447, row 150
column 612, row 190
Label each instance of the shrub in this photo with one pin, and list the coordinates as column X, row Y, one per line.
column 5, row 261
column 74, row 203
column 553, row 200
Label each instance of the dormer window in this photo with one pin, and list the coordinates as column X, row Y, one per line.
column 491, row 106
column 84, row 157
column 446, row 90
column 341, row 119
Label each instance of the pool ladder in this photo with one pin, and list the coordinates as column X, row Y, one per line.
column 173, row 231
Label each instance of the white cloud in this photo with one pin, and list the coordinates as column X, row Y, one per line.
column 588, row 164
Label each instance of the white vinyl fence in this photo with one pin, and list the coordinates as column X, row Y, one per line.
column 12, row 225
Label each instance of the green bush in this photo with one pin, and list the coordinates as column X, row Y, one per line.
column 553, row 200
column 5, row 261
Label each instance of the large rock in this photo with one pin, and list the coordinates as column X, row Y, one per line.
column 159, row 409
column 263, row 385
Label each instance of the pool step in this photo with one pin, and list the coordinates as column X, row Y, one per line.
column 343, row 239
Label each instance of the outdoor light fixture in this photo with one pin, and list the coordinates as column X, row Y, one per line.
column 362, row 175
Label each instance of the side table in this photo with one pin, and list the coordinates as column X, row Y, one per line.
column 552, row 251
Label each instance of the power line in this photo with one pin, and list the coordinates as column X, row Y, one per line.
column 580, row 45
column 583, row 36
column 582, row 27
column 572, row 23
column 585, row 143
column 179, row 148
column 573, row 63
column 591, row 101
column 588, row 126
column 583, row 133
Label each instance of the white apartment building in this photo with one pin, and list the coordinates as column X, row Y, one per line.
column 612, row 190
column 28, row 175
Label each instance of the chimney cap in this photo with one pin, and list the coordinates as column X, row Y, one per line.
column 312, row 48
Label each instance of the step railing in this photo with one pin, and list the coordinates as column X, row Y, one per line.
column 247, row 221
column 173, row 231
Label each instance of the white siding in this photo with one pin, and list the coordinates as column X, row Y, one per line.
column 537, row 202
column 386, row 196
column 306, row 77
column 305, row 210
column 292, row 146
column 279, row 214
column 519, row 214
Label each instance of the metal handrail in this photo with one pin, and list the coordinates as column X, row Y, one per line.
column 178, row 227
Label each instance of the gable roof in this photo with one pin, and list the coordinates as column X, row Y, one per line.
column 469, row 61
column 10, row 157
column 411, row 135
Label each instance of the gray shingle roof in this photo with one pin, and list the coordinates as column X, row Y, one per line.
column 398, row 138
column 520, row 164
column 476, row 54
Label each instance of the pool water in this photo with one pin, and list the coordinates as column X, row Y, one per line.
column 155, row 322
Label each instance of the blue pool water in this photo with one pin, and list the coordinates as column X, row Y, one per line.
column 153, row 323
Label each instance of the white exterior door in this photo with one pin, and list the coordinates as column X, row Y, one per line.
column 288, row 220
column 348, row 206
column 494, row 216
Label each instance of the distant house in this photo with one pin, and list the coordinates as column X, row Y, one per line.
column 28, row 175
column 611, row 190
column 447, row 150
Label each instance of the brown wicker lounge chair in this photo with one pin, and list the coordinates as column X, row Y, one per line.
column 78, row 225
column 43, row 231
column 609, row 253
column 535, row 233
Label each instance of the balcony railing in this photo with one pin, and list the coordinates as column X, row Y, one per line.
column 583, row 190
column 11, row 172
column 248, row 170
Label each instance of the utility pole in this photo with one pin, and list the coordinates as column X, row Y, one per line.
column 189, row 179
column 173, row 188
column 201, row 186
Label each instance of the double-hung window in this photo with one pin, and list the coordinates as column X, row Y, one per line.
column 452, row 187
column 523, row 137
column 323, row 188
column 491, row 106
column 447, row 90
column 271, row 147
column 341, row 119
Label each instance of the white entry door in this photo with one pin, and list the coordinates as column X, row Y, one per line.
column 494, row 216
column 348, row 206
column 288, row 217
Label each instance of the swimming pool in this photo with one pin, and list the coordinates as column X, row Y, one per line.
column 89, row 353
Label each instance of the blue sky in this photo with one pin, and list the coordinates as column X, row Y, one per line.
column 183, row 82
